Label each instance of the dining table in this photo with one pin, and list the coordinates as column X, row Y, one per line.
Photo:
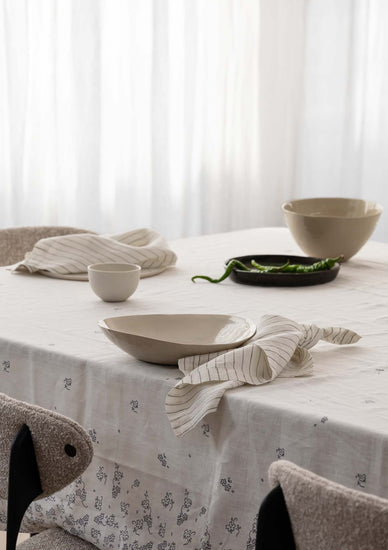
column 148, row 489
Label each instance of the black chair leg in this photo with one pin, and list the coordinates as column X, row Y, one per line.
column 274, row 531
column 23, row 483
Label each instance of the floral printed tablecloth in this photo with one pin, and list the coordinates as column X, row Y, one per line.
column 147, row 489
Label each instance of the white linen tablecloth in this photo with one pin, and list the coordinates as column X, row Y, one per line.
column 147, row 489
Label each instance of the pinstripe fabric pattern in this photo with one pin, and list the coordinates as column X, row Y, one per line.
column 71, row 254
column 279, row 348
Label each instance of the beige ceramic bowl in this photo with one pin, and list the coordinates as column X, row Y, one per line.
column 164, row 339
column 114, row 282
column 328, row 227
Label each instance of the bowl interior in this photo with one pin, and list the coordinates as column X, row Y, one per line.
column 184, row 329
column 114, row 268
column 333, row 207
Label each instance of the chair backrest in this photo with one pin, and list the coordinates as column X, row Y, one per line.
column 41, row 452
column 274, row 531
column 15, row 242
column 327, row 515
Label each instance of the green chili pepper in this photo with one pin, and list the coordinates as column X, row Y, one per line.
column 229, row 268
column 317, row 266
column 269, row 268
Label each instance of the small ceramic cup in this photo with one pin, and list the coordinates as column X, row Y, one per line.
column 114, row 282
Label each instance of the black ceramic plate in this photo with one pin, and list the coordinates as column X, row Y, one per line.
column 282, row 279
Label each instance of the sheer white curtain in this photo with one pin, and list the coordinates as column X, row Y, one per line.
column 344, row 126
column 188, row 116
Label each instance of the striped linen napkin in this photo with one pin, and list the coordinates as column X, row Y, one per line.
column 71, row 254
column 279, row 348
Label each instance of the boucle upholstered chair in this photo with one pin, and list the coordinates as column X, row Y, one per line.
column 55, row 539
column 323, row 514
column 41, row 452
column 16, row 241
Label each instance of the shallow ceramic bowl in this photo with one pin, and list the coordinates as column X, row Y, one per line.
column 164, row 339
column 328, row 227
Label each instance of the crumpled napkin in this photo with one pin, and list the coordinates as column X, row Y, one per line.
column 71, row 254
column 279, row 348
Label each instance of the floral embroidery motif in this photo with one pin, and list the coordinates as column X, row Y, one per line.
column 124, row 507
column 227, row 484
column 61, row 509
column 6, row 365
column 105, row 520
column 163, row 460
column 233, row 526
column 117, row 477
column 168, row 501
column 162, row 530
column 188, row 536
column 187, row 503
column 70, row 502
column 251, row 542
column 361, row 480
column 93, row 435
column 83, row 521
column 182, row 517
column 205, row 540
column 137, row 526
column 98, row 503
column 51, row 513
column 205, row 430
column 96, row 534
column 134, row 405
column 185, row 508
column 67, row 382
column 280, row 453
column 80, row 491
column 147, row 518
column 109, row 540
column 101, row 475
column 124, row 535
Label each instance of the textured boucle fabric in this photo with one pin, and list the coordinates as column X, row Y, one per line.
column 55, row 539
column 329, row 516
column 16, row 241
column 51, row 432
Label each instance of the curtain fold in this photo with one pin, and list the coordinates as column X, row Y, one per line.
column 189, row 117
column 344, row 127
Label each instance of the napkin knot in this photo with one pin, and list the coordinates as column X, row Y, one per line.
column 279, row 348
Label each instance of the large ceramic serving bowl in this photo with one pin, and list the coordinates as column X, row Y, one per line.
column 328, row 227
column 164, row 339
